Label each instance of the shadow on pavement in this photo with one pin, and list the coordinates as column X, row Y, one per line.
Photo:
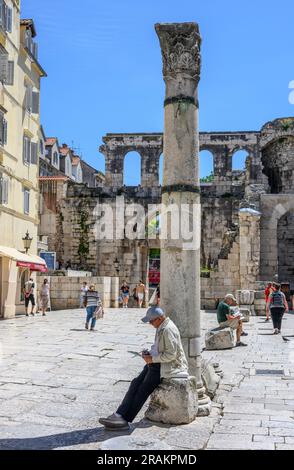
column 68, row 439
column 72, row 438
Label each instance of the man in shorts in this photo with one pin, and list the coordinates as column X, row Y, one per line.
column 29, row 296
column 140, row 293
column 227, row 318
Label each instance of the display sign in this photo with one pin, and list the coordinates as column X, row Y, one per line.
column 50, row 258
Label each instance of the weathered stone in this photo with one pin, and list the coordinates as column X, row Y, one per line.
column 175, row 401
column 245, row 312
column 210, row 378
column 134, row 443
column 180, row 256
column 245, row 297
column 223, row 339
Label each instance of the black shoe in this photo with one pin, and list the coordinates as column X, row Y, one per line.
column 114, row 422
column 244, row 334
column 240, row 344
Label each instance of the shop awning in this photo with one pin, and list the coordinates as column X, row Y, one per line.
column 32, row 262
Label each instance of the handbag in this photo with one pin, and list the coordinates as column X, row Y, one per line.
column 99, row 312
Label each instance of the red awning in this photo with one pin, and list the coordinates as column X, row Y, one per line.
column 32, row 266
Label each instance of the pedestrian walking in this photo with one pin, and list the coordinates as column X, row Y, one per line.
column 267, row 292
column 278, row 305
column 92, row 302
column 84, row 289
column 125, row 293
column 44, row 297
column 140, row 293
column 158, row 295
column 29, row 296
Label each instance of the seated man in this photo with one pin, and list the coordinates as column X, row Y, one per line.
column 166, row 359
column 227, row 318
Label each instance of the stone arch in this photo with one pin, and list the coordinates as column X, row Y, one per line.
column 278, row 165
column 206, row 164
column 274, row 208
column 132, row 172
column 285, row 248
column 239, row 157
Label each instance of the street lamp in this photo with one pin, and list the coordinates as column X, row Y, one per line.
column 117, row 265
column 27, row 241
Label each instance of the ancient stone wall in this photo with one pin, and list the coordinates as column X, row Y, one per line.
column 65, row 291
column 69, row 217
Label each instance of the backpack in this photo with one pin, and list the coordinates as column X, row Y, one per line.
column 277, row 299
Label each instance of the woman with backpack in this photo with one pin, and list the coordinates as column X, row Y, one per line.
column 278, row 306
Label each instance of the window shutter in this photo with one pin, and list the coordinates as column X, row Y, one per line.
column 35, row 102
column 10, row 78
column 9, row 19
column 34, row 153
column 26, row 150
column 25, row 158
column 35, row 50
column 1, row 188
column 29, row 97
column 2, row 14
column 4, row 131
column 1, row 129
column 26, row 201
column 5, row 191
column 28, row 39
column 3, row 66
column 29, row 151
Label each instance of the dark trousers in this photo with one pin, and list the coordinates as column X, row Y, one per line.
column 140, row 389
column 277, row 316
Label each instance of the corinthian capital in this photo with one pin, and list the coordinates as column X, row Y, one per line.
column 180, row 45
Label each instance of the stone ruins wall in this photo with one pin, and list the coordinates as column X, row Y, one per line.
column 65, row 291
column 236, row 258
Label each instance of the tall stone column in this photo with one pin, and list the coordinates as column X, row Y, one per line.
column 180, row 261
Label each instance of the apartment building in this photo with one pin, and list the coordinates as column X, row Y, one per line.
column 20, row 83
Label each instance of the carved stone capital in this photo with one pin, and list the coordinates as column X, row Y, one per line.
column 180, row 45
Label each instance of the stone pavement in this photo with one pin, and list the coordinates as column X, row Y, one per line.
column 57, row 379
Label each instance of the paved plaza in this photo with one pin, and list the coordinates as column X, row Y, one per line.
column 57, row 379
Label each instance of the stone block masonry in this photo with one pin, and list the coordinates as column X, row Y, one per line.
column 65, row 291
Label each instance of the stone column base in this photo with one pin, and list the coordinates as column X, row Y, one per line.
column 210, row 378
column 204, row 402
column 175, row 401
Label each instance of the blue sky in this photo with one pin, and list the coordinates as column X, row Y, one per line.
column 105, row 72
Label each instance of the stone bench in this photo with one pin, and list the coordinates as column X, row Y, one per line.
column 219, row 338
column 175, row 401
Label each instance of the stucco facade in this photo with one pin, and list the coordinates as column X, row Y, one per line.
column 19, row 150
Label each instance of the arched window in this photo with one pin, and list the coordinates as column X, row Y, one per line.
column 132, row 169
column 239, row 160
column 206, row 166
column 161, row 169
